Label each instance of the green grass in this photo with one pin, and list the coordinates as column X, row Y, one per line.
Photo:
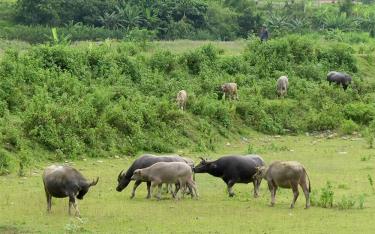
column 23, row 205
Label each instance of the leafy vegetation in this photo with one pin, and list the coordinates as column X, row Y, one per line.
column 188, row 19
column 118, row 98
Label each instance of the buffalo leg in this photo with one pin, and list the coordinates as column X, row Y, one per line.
column 73, row 202
column 307, row 194
column 151, row 189
column 49, row 201
column 256, row 184
column 159, row 191
column 136, row 184
column 229, row 188
column 148, row 190
column 272, row 187
column 177, row 188
column 295, row 193
column 192, row 188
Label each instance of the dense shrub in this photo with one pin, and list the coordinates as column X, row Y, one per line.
column 119, row 98
column 360, row 112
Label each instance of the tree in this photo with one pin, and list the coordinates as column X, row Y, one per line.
column 249, row 22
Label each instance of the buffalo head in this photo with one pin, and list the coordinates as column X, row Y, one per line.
column 138, row 175
column 205, row 166
column 260, row 173
column 84, row 189
column 123, row 181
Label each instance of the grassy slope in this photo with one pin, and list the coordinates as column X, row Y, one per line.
column 106, row 211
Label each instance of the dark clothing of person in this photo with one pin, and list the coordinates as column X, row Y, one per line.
column 264, row 35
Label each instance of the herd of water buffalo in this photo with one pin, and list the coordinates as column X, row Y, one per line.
column 229, row 90
column 65, row 181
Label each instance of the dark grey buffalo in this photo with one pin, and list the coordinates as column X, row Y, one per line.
column 339, row 78
column 65, row 181
column 286, row 174
column 140, row 163
column 233, row 169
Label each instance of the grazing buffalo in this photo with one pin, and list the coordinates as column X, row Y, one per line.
column 339, row 78
column 282, row 86
column 233, row 169
column 178, row 173
column 229, row 90
column 143, row 162
column 287, row 174
column 65, row 181
column 181, row 99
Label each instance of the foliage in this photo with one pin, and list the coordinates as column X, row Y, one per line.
column 326, row 196
column 119, row 98
column 192, row 19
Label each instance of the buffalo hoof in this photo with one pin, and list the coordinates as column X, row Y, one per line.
column 307, row 207
column 148, row 196
column 231, row 195
column 132, row 196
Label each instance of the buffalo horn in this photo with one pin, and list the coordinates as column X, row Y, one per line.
column 93, row 183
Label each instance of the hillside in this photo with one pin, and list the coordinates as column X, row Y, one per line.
column 102, row 99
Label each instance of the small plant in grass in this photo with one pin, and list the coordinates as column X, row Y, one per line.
column 343, row 186
column 314, row 200
column 365, row 158
column 371, row 182
column 75, row 226
column 369, row 136
column 251, row 149
column 361, row 201
column 326, row 197
column 346, row 203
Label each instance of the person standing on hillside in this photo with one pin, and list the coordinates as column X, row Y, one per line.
column 263, row 33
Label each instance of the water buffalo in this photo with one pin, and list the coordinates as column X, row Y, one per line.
column 339, row 78
column 143, row 162
column 181, row 99
column 285, row 174
column 65, row 181
column 229, row 90
column 233, row 169
column 178, row 173
column 282, row 86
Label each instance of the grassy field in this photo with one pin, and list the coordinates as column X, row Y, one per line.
column 346, row 163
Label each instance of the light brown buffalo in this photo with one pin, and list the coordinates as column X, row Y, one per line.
column 282, row 86
column 285, row 174
column 229, row 90
column 178, row 173
column 181, row 99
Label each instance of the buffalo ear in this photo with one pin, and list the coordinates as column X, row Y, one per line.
column 259, row 169
column 137, row 172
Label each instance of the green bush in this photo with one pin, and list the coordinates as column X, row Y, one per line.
column 346, row 203
column 338, row 57
column 5, row 162
column 326, row 197
column 348, row 127
column 163, row 61
column 360, row 112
